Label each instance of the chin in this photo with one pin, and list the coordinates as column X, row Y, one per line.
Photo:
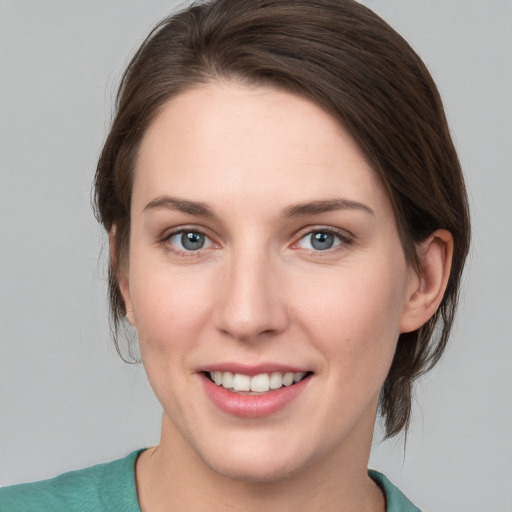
column 258, row 462
column 255, row 471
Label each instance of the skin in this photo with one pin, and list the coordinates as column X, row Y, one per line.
column 258, row 292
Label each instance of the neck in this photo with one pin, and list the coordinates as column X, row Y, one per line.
column 171, row 476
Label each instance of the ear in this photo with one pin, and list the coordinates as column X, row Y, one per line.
column 121, row 275
column 426, row 287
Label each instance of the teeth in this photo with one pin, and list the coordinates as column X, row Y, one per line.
column 288, row 379
column 227, row 379
column 258, row 383
column 297, row 377
column 276, row 380
column 241, row 382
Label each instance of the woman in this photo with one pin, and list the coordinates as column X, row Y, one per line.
column 288, row 227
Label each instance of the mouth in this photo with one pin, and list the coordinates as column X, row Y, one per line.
column 252, row 392
column 240, row 383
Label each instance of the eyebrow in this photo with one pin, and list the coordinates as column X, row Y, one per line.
column 181, row 205
column 324, row 206
column 294, row 210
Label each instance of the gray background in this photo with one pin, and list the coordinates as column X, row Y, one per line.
column 66, row 399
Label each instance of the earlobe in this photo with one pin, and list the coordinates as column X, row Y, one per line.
column 119, row 273
column 429, row 284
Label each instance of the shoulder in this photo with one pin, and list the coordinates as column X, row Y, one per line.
column 395, row 499
column 109, row 486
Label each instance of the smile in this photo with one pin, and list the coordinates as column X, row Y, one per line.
column 254, row 393
column 260, row 383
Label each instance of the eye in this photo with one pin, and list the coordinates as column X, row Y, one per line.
column 321, row 240
column 188, row 241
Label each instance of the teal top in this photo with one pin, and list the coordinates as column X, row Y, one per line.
column 111, row 487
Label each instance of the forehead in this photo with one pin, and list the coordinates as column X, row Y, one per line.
column 259, row 143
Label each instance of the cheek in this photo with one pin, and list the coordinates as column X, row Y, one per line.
column 170, row 313
column 355, row 323
column 169, row 308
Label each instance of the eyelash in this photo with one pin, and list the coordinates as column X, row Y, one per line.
column 342, row 238
column 166, row 242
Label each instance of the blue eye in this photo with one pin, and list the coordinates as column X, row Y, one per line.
column 189, row 240
column 320, row 241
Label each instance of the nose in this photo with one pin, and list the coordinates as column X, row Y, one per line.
column 252, row 302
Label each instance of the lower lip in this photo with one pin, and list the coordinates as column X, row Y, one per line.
column 253, row 406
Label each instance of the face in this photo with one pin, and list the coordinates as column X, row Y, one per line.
column 266, row 281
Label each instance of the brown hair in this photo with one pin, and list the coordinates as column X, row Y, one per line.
column 346, row 59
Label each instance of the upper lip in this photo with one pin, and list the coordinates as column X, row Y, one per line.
column 251, row 370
